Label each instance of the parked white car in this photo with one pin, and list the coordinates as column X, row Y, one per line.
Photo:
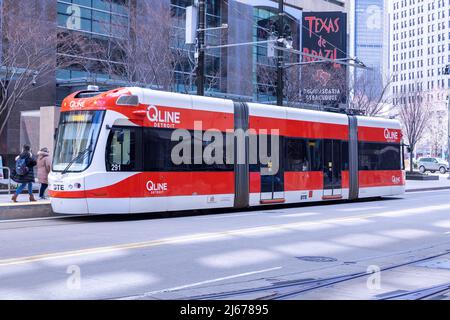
column 433, row 165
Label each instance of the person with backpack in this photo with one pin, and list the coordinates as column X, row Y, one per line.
column 43, row 169
column 23, row 173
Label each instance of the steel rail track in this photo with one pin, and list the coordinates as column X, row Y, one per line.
column 310, row 285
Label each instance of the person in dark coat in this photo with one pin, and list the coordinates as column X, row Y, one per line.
column 27, row 179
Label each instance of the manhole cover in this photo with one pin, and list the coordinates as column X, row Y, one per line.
column 317, row 259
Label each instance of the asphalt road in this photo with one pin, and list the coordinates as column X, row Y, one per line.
column 331, row 251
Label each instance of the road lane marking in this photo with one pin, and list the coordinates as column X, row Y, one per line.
column 361, row 209
column 211, row 235
column 196, row 284
column 229, row 215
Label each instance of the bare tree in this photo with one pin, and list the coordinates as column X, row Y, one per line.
column 414, row 114
column 266, row 76
column 324, row 83
column 292, row 85
column 28, row 60
column 369, row 95
column 79, row 52
column 436, row 132
column 142, row 54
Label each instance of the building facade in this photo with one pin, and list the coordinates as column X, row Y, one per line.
column 101, row 29
column 419, row 52
column 369, row 36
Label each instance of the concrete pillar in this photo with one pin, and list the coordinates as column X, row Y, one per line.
column 29, row 127
column 48, row 124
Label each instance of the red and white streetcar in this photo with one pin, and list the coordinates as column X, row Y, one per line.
column 113, row 154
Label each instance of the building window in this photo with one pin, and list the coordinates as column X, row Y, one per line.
column 264, row 75
column 98, row 17
column 94, row 22
column 184, row 71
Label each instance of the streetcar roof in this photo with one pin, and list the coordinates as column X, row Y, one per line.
column 92, row 100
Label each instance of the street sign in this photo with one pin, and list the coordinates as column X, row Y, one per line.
column 271, row 47
column 191, row 24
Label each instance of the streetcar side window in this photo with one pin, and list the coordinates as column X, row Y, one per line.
column 345, row 156
column 315, row 154
column 158, row 147
column 297, row 155
column 402, row 157
column 123, row 150
column 379, row 156
column 208, row 160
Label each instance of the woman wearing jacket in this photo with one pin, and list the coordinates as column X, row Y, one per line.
column 27, row 179
column 43, row 169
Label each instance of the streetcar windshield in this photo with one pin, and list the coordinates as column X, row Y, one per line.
column 78, row 132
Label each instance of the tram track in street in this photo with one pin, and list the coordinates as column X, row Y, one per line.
column 252, row 254
column 282, row 292
column 430, row 293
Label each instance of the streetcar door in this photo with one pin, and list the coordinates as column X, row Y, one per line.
column 332, row 169
column 272, row 179
column 123, row 159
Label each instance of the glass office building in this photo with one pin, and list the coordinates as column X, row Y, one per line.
column 101, row 20
column 233, row 73
column 369, row 33
column 96, row 21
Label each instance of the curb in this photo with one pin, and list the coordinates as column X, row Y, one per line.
column 26, row 211
column 428, row 189
column 44, row 210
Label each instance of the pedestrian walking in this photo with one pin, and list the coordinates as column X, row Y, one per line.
column 43, row 170
column 23, row 173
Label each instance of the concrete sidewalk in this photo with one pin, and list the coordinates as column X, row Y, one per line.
column 24, row 208
column 442, row 183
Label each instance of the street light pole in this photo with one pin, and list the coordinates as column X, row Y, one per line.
column 447, row 72
column 448, row 133
column 280, row 72
column 201, row 49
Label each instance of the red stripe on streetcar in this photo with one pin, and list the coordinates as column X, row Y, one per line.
column 301, row 181
column 379, row 135
column 255, row 182
column 369, row 179
column 165, row 184
column 345, row 179
column 297, row 128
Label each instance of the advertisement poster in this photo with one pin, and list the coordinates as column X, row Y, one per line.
column 324, row 34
